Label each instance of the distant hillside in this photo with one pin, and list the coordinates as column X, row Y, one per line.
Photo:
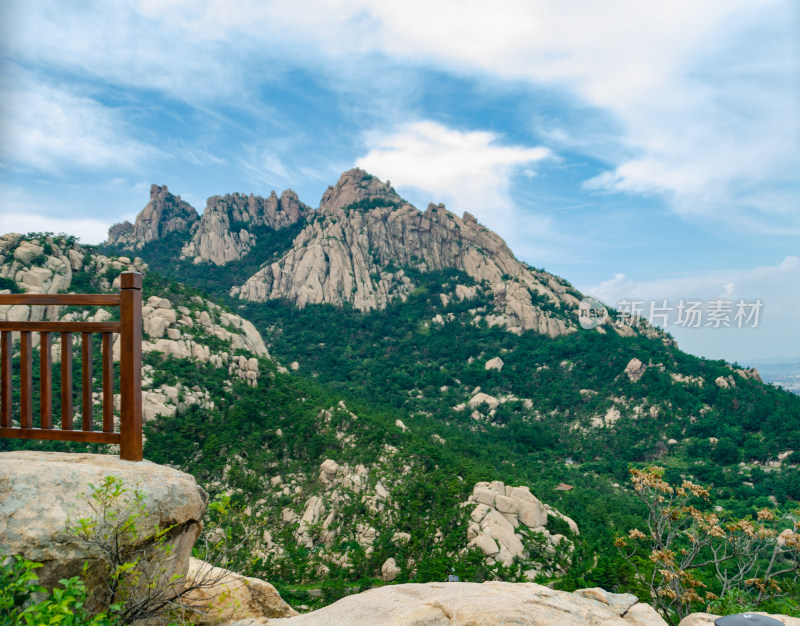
column 783, row 373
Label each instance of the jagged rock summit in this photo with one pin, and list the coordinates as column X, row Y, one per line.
column 164, row 214
column 356, row 186
column 225, row 232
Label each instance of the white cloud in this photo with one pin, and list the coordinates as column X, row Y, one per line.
column 704, row 93
column 50, row 128
column 471, row 170
column 778, row 333
column 748, row 283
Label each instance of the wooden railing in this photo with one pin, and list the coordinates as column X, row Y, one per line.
column 129, row 327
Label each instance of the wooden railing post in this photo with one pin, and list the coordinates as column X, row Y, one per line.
column 130, row 428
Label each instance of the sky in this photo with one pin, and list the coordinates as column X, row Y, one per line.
column 645, row 151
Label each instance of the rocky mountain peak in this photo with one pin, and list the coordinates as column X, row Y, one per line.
column 355, row 186
column 226, row 229
column 164, row 214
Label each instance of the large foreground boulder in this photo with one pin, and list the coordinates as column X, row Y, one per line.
column 221, row 595
column 487, row 604
column 40, row 491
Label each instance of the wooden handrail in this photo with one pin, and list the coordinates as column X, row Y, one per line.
column 129, row 437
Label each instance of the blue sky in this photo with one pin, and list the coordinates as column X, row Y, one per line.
column 640, row 150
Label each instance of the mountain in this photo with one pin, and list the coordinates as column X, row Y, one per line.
column 431, row 315
column 230, row 224
column 341, row 377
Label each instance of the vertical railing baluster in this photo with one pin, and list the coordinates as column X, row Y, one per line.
column 108, row 384
column 45, row 382
column 26, row 380
column 130, row 447
column 66, row 381
column 86, row 367
column 5, row 379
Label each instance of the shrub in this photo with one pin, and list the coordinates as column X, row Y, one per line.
column 19, row 593
column 694, row 554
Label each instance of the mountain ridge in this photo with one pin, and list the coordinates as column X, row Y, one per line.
column 363, row 247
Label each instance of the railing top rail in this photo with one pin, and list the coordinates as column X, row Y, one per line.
column 85, row 299
column 62, row 327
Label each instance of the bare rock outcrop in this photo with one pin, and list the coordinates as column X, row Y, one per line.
column 508, row 522
column 40, row 491
column 489, row 604
column 164, row 214
column 47, row 265
column 222, row 595
column 635, row 369
column 225, row 231
column 353, row 252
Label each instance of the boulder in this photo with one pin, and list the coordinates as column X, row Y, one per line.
column 381, row 491
column 479, row 513
column 41, row 491
column 494, row 364
column 389, row 570
column 315, row 509
column 484, row 496
column 488, row 604
column 619, row 602
column 502, row 531
column 504, row 504
column 635, row 369
column 486, row 544
column 222, row 595
column 329, row 467
column 401, row 538
column 483, row 398
column 27, row 251
column 532, row 514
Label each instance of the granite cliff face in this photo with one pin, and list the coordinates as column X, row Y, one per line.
column 353, row 250
column 224, row 233
column 164, row 214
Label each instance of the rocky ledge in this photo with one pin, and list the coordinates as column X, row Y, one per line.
column 41, row 491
